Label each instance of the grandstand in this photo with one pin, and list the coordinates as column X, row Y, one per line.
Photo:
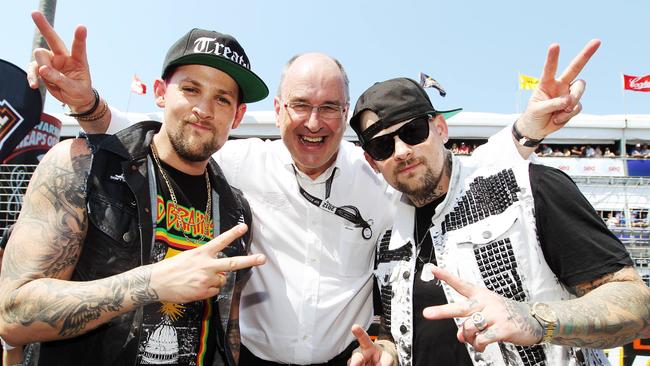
column 618, row 187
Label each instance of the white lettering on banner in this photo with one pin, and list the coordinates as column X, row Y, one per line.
column 634, row 83
column 210, row 45
column 43, row 135
column 586, row 166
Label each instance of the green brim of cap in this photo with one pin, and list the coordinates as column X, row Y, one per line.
column 252, row 87
column 450, row 113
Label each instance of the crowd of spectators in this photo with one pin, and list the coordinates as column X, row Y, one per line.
column 638, row 151
column 636, row 218
column 634, row 151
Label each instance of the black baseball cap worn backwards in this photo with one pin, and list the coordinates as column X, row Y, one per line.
column 221, row 51
column 394, row 101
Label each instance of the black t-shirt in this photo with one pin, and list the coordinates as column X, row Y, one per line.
column 575, row 241
column 180, row 334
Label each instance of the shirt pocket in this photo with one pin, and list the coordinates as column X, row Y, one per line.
column 117, row 219
column 484, row 251
column 355, row 254
column 488, row 230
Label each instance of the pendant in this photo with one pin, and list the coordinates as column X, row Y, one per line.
column 426, row 274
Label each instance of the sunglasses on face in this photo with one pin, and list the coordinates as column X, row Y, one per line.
column 413, row 132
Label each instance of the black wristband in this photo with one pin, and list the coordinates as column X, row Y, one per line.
column 90, row 111
column 523, row 140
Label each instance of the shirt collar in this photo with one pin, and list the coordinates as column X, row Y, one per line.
column 287, row 162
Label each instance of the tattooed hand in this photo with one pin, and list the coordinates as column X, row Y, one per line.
column 609, row 312
column 505, row 320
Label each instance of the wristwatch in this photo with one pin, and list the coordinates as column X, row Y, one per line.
column 523, row 140
column 546, row 317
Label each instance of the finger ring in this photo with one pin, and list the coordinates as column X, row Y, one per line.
column 479, row 321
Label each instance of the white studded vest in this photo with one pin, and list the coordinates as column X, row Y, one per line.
column 484, row 232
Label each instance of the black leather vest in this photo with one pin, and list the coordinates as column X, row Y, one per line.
column 120, row 201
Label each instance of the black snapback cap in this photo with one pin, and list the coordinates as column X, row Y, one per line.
column 221, row 51
column 393, row 101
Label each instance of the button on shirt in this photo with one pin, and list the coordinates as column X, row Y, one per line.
column 298, row 307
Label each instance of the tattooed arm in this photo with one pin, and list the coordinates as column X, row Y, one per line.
column 37, row 302
column 611, row 311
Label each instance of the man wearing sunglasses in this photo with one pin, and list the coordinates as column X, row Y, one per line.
column 531, row 275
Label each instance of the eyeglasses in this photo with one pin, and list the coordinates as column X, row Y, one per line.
column 413, row 132
column 301, row 110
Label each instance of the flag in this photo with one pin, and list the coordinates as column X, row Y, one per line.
column 527, row 82
column 427, row 81
column 636, row 83
column 137, row 86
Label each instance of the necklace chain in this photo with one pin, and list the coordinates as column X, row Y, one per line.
column 422, row 239
column 208, row 206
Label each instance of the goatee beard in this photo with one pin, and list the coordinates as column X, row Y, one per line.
column 429, row 188
column 187, row 151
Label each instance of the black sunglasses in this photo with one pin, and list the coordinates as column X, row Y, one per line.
column 414, row 132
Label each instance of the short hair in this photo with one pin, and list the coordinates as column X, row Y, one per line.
column 344, row 74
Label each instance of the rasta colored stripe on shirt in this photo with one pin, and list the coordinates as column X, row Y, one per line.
column 190, row 221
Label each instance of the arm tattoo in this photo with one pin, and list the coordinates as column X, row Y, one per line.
column 519, row 314
column 44, row 248
column 614, row 310
column 70, row 308
column 53, row 216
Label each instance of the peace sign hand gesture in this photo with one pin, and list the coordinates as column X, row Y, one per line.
column 556, row 101
column 66, row 74
column 199, row 273
column 490, row 317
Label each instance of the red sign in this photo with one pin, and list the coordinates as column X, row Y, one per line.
column 636, row 83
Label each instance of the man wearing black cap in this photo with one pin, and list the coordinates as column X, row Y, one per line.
column 129, row 248
column 531, row 275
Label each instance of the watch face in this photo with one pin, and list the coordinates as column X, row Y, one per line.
column 544, row 312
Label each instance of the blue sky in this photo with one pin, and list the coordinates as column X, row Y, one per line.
column 473, row 48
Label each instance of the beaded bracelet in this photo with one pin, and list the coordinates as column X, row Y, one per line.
column 95, row 117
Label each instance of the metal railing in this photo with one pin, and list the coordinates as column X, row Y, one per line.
column 13, row 185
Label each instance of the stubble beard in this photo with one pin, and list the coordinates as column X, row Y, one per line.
column 429, row 187
column 191, row 152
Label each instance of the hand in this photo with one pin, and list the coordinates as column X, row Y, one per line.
column 66, row 75
column 369, row 353
column 505, row 320
column 198, row 273
column 556, row 101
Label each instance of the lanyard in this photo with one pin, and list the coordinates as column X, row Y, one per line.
column 347, row 212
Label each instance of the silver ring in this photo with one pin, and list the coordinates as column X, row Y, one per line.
column 479, row 321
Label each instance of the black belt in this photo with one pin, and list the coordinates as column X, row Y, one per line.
column 247, row 358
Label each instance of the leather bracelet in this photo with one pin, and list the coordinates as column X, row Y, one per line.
column 99, row 115
column 523, row 140
column 88, row 112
